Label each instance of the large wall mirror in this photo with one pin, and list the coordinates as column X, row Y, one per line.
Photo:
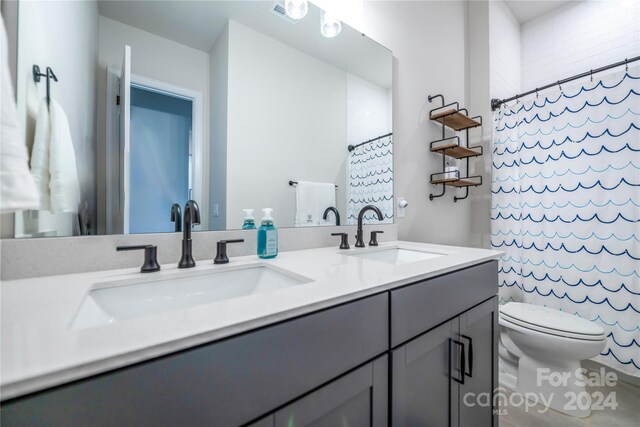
column 230, row 103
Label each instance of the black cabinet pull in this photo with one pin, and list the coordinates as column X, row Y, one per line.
column 462, row 361
column 470, row 374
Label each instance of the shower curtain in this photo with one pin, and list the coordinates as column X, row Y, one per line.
column 566, row 206
column 371, row 180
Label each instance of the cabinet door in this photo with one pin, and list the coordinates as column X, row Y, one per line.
column 358, row 399
column 479, row 332
column 423, row 393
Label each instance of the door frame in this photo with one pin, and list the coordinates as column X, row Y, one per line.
column 112, row 180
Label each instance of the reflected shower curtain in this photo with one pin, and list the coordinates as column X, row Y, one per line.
column 566, row 206
column 371, row 180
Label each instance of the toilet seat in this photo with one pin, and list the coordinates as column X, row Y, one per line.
column 550, row 321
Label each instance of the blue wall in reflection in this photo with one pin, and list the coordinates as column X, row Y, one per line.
column 160, row 159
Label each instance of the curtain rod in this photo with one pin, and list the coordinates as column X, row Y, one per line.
column 353, row 147
column 496, row 103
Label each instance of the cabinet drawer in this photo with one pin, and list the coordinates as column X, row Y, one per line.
column 419, row 307
column 227, row 383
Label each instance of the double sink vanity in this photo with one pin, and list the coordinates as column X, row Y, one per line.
column 231, row 107
column 388, row 335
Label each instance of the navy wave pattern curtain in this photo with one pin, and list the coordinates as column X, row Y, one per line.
column 371, row 180
column 566, row 206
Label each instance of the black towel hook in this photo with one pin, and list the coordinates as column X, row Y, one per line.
column 48, row 75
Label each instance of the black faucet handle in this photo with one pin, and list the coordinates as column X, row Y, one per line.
column 150, row 256
column 344, row 241
column 221, row 251
column 374, row 238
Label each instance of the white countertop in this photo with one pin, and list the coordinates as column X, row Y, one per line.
column 40, row 349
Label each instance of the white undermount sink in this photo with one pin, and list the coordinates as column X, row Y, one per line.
column 114, row 301
column 397, row 256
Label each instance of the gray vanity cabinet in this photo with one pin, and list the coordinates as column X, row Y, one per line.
column 437, row 376
column 479, row 332
column 358, row 399
column 408, row 357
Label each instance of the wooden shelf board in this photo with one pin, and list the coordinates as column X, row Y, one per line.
column 444, row 180
column 456, row 151
column 463, row 182
column 453, row 182
column 455, row 120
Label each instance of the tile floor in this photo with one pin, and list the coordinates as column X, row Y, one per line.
column 627, row 413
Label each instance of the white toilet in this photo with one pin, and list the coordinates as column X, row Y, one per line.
column 540, row 352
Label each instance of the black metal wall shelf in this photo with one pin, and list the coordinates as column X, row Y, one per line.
column 456, row 119
column 452, row 147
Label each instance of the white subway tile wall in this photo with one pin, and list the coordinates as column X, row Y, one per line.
column 580, row 36
column 505, row 56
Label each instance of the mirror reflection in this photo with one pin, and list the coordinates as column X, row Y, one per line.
column 232, row 104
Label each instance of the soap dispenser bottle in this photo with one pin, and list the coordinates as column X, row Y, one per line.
column 249, row 222
column 267, row 236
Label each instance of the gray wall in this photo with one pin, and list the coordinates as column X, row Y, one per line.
column 286, row 121
column 428, row 40
column 219, row 66
column 478, row 96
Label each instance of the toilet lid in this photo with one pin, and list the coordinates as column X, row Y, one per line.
column 538, row 317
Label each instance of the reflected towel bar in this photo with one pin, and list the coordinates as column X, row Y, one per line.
column 292, row 183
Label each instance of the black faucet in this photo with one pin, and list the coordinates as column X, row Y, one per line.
column 176, row 216
column 335, row 211
column 359, row 240
column 191, row 217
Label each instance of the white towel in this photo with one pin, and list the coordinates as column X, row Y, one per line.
column 53, row 161
column 17, row 188
column 306, row 204
column 312, row 198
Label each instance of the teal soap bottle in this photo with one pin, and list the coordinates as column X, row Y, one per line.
column 267, row 236
column 249, row 222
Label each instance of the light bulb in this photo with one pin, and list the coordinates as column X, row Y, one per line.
column 330, row 25
column 296, row 9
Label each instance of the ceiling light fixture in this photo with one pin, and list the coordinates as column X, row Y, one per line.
column 330, row 25
column 296, row 9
